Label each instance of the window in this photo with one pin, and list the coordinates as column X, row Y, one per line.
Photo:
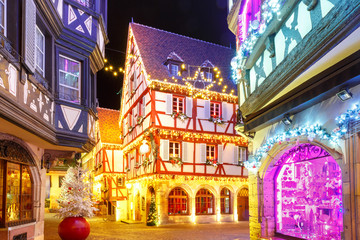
column 85, row 3
column 225, row 201
column 120, row 181
column 18, row 200
column 174, row 149
column 3, row 17
column 210, row 152
column 40, row 51
column 178, row 202
column 69, row 79
column 174, row 69
column 242, row 154
column 178, row 105
column 215, row 110
column 208, row 75
column 204, row 202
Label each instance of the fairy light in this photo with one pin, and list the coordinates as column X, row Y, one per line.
column 312, row 131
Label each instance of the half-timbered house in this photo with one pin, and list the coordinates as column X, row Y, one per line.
column 178, row 112
column 109, row 167
column 50, row 52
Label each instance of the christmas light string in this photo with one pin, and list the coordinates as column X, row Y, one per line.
column 270, row 9
column 311, row 132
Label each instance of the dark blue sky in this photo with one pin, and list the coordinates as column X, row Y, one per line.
column 201, row 19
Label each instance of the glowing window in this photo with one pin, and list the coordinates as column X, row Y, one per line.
column 204, row 202
column 178, row 202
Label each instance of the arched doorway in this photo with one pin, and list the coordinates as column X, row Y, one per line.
column 308, row 194
column 243, row 205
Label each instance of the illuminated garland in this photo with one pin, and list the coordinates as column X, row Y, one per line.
column 192, row 92
column 270, row 8
column 182, row 179
column 196, row 137
column 313, row 131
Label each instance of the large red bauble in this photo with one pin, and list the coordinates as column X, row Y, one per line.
column 74, row 228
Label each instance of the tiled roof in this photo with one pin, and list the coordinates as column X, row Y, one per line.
column 155, row 46
column 109, row 125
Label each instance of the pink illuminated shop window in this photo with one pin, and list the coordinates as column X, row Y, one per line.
column 309, row 194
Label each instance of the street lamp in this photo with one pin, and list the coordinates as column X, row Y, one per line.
column 144, row 148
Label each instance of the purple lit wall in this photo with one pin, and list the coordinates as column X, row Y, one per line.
column 308, row 194
column 249, row 11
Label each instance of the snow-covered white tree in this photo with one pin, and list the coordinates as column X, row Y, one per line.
column 75, row 197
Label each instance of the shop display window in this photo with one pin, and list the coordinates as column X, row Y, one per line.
column 204, row 202
column 309, row 194
column 178, row 202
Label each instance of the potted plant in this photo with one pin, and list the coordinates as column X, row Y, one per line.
column 75, row 204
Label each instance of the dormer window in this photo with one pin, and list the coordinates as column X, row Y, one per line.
column 208, row 75
column 174, row 69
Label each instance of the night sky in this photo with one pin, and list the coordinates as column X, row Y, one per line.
column 200, row 19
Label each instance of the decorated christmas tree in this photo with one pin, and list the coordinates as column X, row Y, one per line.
column 75, row 197
column 152, row 218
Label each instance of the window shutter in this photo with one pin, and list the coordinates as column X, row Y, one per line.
column 189, row 106
column 164, row 149
column 224, row 111
column 203, row 153
column 236, row 154
column 169, row 104
column 207, row 109
column 220, row 153
column 184, row 152
column 143, row 107
column 29, row 35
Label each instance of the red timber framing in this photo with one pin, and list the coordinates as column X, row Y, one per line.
column 189, row 124
column 114, row 178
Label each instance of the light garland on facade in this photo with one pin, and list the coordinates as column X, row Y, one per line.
column 313, row 131
column 270, row 8
column 192, row 92
column 183, row 178
column 211, row 138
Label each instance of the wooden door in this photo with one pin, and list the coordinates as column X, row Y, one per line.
column 243, row 205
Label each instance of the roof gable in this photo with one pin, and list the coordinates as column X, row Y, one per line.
column 155, row 45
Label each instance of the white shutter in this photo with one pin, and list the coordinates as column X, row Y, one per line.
column 236, row 154
column 184, row 152
column 169, row 104
column 224, row 114
column 189, row 106
column 164, row 149
column 207, row 109
column 220, row 154
column 202, row 153
column 29, row 34
column 143, row 107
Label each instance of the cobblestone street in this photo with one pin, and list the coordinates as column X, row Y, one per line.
column 101, row 230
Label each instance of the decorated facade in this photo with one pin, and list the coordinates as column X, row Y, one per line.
column 108, row 166
column 178, row 112
column 50, row 52
column 297, row 69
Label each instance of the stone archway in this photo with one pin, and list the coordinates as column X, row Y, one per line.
column 302, row 194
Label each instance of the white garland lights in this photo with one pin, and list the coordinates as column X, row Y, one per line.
column 270, row 8
column 310, row 131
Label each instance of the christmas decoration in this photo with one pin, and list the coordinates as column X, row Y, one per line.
column 212, row 162
column 216, row 120
column 181, row 116
column 311, row 132
column 75, row 197
column 152, row 216
column 176, row 161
